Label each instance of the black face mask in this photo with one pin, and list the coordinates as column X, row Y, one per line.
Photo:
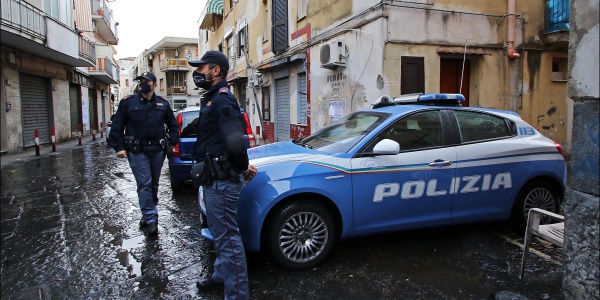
column 145, row 87
column 200, row 80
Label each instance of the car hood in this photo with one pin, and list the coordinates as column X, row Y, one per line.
column 281, row 152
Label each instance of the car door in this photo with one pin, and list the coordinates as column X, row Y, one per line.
column 409, row 189
column 491, row 162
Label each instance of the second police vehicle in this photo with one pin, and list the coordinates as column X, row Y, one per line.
column 422, row 161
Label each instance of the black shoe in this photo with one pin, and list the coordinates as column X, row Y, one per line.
column 153, row 228
column 143, row 222
column 208, row 284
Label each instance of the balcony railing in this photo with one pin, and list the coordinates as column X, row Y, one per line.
column 104, row 70
column 100, row 7
column 87, row 50
column 170, row 64
column 23, row 17
column 557, row 15
column 176, row 90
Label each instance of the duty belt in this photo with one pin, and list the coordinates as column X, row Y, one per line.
column 150, row 142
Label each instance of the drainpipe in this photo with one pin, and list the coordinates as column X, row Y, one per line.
column 511, row 31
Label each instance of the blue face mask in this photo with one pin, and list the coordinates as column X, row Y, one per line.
column 145, row 87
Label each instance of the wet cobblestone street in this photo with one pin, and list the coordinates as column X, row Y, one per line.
column 69, row 230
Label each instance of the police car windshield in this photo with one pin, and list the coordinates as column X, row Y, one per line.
column 345, row 133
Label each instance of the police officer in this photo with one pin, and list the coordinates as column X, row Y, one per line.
column 220, row 135
column 138, row 134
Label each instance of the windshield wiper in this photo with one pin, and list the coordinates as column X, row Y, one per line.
column 300, row 143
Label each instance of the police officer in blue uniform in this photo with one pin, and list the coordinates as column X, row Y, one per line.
column 138, row 134
column 220, row 139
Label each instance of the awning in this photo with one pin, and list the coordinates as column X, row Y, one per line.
column 461, row 50
column 215, row 7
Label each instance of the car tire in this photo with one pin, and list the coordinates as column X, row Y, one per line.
column 537, row 194
column 301, row 235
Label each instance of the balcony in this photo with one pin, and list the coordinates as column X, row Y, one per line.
column 176, row 90
column 87, row 50
column 104, row 71
column 556, row 24
column 173, row 64
column 30, row 30
column 106, row 27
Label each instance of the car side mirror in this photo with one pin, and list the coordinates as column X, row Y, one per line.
column 386, row 147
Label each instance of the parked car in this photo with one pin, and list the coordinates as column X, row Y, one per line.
column 412, row 163
column 180, row 156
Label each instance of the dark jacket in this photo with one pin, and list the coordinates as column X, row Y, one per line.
column 144, row 119
column 220, row 129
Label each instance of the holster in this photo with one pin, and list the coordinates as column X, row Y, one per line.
column 224, row 169
column 132, row 144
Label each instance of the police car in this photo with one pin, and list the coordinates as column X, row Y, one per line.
column 422, row 161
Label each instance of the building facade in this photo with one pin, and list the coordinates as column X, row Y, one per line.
column 57, row 68
column 312, row 60
column 168, row 61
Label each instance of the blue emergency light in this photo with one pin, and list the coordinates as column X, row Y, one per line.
column 421, row 99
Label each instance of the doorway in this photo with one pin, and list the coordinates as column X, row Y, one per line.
column 451, row 71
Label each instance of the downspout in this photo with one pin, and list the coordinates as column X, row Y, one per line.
column 511, row 31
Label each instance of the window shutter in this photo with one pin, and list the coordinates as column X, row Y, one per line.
column 280, row 27
column 413, row 75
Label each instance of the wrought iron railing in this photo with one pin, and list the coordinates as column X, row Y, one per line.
column 87, row 49
column 24, row 17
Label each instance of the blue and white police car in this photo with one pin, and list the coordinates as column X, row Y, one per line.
column 421, row 161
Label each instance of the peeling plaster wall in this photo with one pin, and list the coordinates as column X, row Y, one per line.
column 357, row 82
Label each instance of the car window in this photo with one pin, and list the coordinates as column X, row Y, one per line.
column 416, row 131
column 345, row 133
column 476, row 126
column 189, row 123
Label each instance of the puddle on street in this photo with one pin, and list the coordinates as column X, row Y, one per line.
column 126, row 258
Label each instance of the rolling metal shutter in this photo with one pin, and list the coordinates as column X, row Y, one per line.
column 302, row 98
column 282, row 109
column 75, row 105
column 35, row 109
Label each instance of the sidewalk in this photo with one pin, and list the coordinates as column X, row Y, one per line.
column 11, row 157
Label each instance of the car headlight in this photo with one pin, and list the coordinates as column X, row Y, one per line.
column 201, row 202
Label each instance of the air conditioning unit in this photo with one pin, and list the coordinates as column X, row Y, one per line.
column 333, row 54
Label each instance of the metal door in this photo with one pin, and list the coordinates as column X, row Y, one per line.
column 75, row 106
column 35, row 102
column 282, row 109
column 93, row 109
column 302, row 107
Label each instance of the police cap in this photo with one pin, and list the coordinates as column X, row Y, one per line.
column 147, row 75
column 212, row 57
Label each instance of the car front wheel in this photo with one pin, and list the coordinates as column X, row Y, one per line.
column 536, row 194
column 301, row 235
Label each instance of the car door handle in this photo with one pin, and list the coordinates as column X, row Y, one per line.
column 439, row 162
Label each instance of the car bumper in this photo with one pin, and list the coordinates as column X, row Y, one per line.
column 180, row 170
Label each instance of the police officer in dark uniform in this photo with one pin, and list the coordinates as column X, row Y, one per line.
column 220, row 138
column 138, row 134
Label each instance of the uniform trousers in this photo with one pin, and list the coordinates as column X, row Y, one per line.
column 221, row 199
column 146, row 167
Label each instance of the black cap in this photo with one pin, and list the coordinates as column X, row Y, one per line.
column 148, row 76
column 212, row 57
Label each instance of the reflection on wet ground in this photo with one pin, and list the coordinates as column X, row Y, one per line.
column 69, row 229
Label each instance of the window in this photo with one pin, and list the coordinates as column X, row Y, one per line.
column 412, row 77
column 302, row 7
column 162, row 84
column 266, row 104
column 126, row 82
column 230, row 51
column 559, row 68
column 279, row 33
column 417, row 131
column 476, row 126
column 242, row 39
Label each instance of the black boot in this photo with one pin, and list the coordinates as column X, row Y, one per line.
column 153, row 228
column 143, row 222
column 208, row 284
